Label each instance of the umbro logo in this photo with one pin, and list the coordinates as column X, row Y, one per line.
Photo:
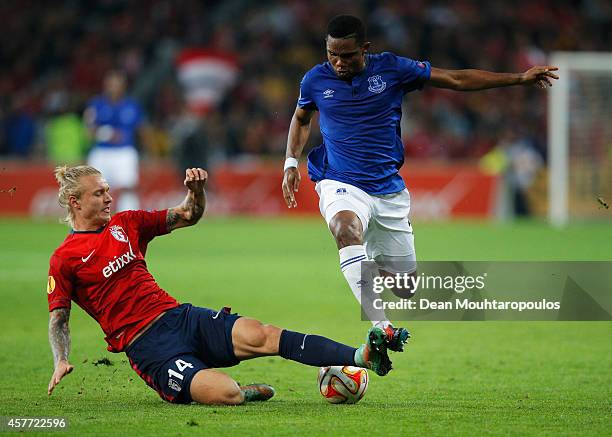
column 341, row 191
column 328, row 93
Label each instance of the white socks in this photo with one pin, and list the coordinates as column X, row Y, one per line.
column 350, row 264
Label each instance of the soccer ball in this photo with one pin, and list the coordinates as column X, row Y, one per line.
column 343, row 384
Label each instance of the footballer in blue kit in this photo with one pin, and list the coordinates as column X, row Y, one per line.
column 114, row 119
column 363, row 198
column 360, row 121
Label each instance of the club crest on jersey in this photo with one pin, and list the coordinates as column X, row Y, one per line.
column 377, row 85
column 118, row 233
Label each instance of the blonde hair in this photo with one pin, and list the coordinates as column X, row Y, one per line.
column 68, row 180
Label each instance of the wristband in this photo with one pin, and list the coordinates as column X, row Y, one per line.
column 290, row 163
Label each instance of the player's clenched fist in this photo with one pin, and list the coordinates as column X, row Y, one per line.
column 291, row 184
column 195, row 179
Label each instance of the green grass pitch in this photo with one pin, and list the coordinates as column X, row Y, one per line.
column 455, row 378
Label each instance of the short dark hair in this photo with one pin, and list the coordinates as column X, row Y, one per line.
column 347, row 26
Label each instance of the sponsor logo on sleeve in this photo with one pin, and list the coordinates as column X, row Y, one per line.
column 50, row 285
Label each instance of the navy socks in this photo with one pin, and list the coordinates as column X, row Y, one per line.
column 315, row 350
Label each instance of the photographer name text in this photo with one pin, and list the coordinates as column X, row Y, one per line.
column 466, row 304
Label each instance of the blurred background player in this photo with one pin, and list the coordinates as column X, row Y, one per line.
column 174, row 348
column 114, row 120
column 363, row 198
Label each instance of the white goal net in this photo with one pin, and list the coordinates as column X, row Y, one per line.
column 580, row 137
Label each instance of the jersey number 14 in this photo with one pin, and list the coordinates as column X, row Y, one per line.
column 181, row 366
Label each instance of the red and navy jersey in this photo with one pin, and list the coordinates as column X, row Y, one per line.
column 105, row 273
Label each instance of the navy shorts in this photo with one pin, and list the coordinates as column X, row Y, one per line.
column 182, row 342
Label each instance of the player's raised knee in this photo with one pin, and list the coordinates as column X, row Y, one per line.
column 251, row 337
column 257, row 336
column 264, row 339
column 346, row 229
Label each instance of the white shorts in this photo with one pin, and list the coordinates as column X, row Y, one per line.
column 119, row 166
column 387, row 231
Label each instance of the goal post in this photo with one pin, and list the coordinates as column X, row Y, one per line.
column 580, row 137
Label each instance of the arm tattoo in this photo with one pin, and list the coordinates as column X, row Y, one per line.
column 194, row 204
column 188, row 213
column 172, row 219
column 59, row 334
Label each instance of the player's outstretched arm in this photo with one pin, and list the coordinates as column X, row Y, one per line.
column 299, row 131
column 59, row 338
column 474, row 80
column 191, row 210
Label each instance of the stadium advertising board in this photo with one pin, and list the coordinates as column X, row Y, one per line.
column 438, row 192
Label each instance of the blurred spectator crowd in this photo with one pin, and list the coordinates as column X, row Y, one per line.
column 55, row 54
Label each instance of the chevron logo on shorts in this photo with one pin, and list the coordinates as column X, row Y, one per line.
column 341, row 191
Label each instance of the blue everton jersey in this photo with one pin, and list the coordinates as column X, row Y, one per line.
column 360, row 121
column 118, row 120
